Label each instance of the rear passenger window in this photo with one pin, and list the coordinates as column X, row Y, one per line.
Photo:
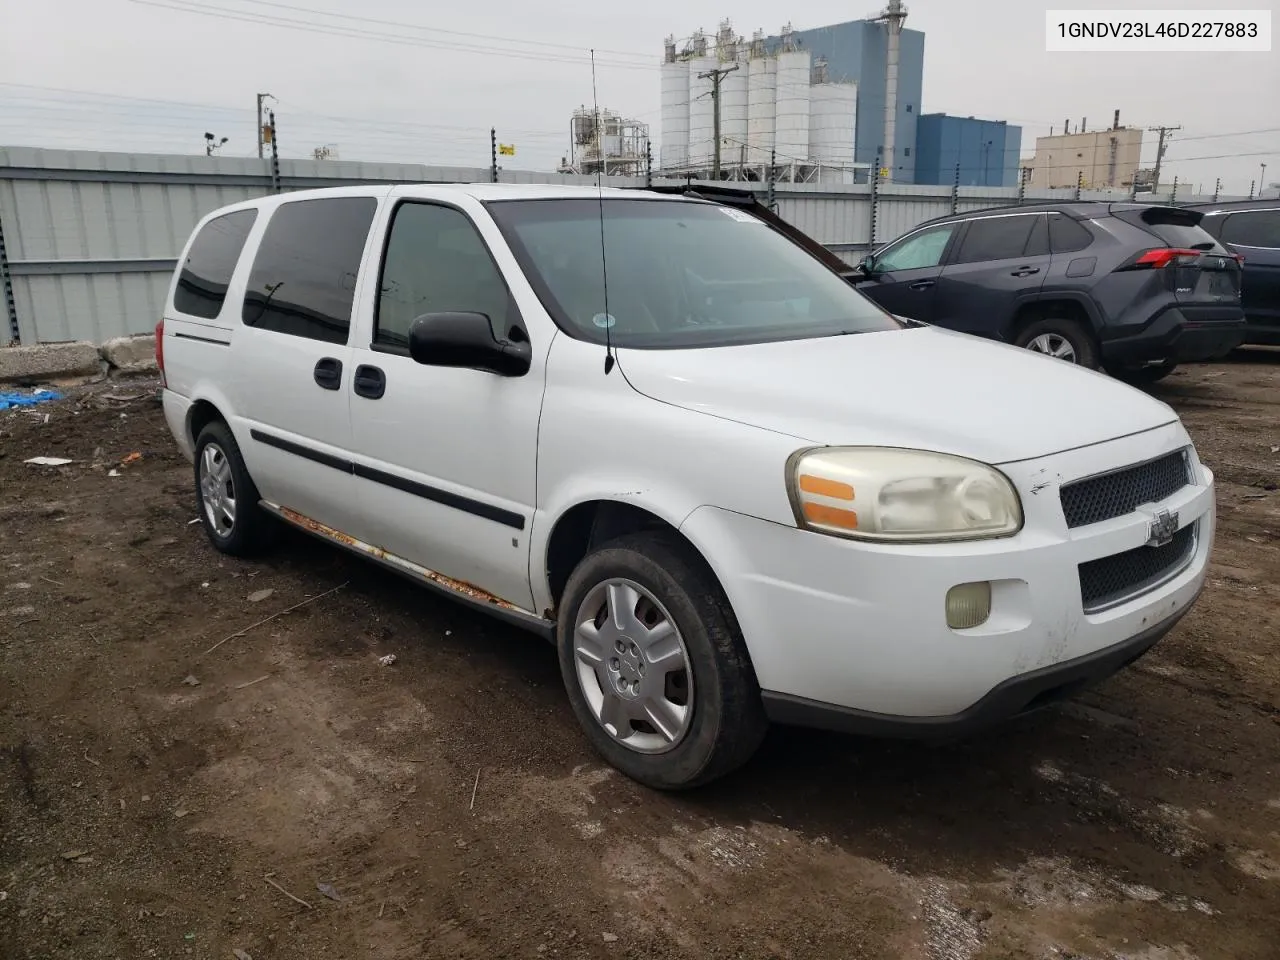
column 1067, row 236
column 436, row 262
column 1257, row 228
column 304, row 276
column 206, row 273
column 995, row 238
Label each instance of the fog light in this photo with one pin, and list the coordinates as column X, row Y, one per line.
column 968, row 605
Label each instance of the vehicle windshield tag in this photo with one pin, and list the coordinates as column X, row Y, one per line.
column 604, row 320
column 740, row 216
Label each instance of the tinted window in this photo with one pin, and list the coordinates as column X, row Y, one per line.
column 435, row 262
column 1257, row 228
column 304, row 276
column 1067, row 236
column 995, row 238
column 202, row 284
column 923, row 249
column 680, row 274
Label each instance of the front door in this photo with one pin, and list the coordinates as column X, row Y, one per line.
column 290, row 362
column 446, row 458
column 904, row 275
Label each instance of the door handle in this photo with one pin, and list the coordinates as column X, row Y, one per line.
column 1025, row 271
column 369, row 382
column 920, row 285
column 328, row 373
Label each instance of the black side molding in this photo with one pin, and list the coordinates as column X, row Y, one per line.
column 1014, row 697
column 192, row 336
column 478, row 508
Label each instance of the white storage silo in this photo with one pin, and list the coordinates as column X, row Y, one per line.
column 733, row 115
column 791, row 121
column 701, row 111
column 833, row 111
column 762, row 86
column 675, row 114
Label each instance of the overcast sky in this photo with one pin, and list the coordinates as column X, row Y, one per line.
column 155, row 75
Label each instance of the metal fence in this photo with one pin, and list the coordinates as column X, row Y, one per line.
column 88, row 241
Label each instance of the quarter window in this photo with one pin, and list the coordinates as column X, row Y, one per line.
column 304, row 276
column 923, row 249
column 1067, row 236
column 1256, row 228
column 436, row 262
column 995, row 238
column 206, row 273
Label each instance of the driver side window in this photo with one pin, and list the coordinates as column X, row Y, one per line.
column 923, row 249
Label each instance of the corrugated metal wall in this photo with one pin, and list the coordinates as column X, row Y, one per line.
column 91, row 239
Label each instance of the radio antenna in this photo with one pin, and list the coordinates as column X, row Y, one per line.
column 604, row 259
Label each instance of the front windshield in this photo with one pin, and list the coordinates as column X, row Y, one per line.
column 680, row 274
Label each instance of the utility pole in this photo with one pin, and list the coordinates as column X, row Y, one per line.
column 1262, row 180
column 716, row 76
column 1161, row 145
column 493, row 154
column 261, row 97
column 1217, row 189
column 275, row 155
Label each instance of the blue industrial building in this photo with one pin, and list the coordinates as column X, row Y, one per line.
column 855, row 53
column 987, row 151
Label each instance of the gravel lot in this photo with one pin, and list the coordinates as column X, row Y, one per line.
column 158, row 800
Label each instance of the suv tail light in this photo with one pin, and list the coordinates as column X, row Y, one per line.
column 1159, row 258
column 160, row 350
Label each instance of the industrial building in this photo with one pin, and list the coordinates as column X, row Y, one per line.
column 603, row 141
column 967, row 151
column 1094, row 160
column 776, row 106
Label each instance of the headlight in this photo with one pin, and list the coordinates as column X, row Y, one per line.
column 887, row 494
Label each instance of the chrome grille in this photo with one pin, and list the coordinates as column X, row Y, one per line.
column 1119, row 492
column 1108, row 581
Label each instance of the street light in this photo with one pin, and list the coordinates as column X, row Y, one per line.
column 210, row 145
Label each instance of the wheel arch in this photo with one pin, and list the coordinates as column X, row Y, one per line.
column 1071, row 304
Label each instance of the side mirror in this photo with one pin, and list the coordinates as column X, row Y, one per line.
column 863, row 269
column 466, row 340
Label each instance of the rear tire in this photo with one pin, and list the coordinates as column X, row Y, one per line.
column 645, row 631
column 227, row 497
column 1060, row 337
column 1141, row 376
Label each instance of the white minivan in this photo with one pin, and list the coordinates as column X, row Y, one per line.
column 670, row 439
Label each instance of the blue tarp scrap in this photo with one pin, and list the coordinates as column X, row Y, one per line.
column 8, row 400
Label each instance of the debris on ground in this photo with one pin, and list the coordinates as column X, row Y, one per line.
column 259, row 595
column 49, row 461
column 388, row 660
column 328, row 890
column 9, row 398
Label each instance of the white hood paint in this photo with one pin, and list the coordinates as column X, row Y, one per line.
column 924, row 387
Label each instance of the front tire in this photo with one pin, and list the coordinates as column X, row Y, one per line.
column 655, row 666
column 1062, row 338
column 226, row 495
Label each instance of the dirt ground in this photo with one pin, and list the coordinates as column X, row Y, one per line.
column 159, row 798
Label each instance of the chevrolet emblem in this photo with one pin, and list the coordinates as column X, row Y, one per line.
column 1163, row 526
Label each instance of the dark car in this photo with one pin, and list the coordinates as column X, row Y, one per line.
column 1133, row 288
column 1251, row 228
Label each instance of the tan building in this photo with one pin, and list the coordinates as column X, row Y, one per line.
column 1098, row 158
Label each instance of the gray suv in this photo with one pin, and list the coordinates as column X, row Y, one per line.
column 1133, row 288
column 1251, row 228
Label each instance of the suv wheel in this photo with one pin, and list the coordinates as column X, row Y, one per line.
column 655, row 667
column 1060, row 337
column 228, row 499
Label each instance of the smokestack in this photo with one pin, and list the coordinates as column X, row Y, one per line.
column 1082, row 123
column 1115, row 125
column 1066, row 126
column 892, row 15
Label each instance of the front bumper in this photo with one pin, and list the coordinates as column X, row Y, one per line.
column 1180, row 334
column 854, row 635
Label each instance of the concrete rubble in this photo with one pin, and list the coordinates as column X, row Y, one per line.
column 47, row 362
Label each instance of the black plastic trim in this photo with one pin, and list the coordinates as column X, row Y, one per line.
column 192, row 336
column 1014, row 697
column 487, row 511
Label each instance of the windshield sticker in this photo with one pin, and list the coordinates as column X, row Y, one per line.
column 604, row 320
column 740, row 216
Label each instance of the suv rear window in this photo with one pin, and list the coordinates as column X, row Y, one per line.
column 1254, row 228
column 995, row 238
column 1067, row 236
column 206, row 273
column 304, row 276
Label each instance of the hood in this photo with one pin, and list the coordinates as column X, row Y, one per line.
column 923, row 387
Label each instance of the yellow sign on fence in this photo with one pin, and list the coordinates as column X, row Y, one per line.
column 507, row 149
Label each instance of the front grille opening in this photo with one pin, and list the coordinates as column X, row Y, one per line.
column 1109, row 580
column 1115, row 494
